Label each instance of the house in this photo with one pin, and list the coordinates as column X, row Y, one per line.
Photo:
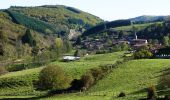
column 70, row 58
column 139, row 42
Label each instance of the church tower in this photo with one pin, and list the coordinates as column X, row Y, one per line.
column 136, row 37
column 133, row 30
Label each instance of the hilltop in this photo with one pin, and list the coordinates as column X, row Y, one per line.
column 148, row 18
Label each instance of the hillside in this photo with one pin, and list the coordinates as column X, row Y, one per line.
column 132, row 77
column 119, row 25
column 20, row 83
column 106, row 26
column 11, row 34
column 138, row 26
column 152, row 31
column 43, row 24
column 140, row 23
column 31, row 23
column 147, row 18
column 63, row 18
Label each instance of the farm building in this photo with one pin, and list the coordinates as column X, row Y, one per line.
column 70, row 58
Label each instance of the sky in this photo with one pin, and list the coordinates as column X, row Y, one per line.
column 106, row 9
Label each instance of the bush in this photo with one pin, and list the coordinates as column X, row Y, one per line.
column 165, row 82
column 165, row 79
column 97, row 73
column 101, row 52
column 18, row 81
column 76, row 85
column 2, row 70
column 152, row 93
column 122, row 94
column 77, row 53
column 17, row 67
column 53, row 77
column 91, row 77
column 87, row 81
column 142, row 54
column 42, row 58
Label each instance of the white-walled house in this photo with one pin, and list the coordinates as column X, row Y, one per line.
column 70, row 58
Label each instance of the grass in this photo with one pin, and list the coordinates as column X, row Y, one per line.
column 74, row 69
column 78, row 68
column 22, row 73
column 132, row 77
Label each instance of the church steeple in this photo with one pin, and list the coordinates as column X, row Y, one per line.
column 133, row 30
column 136, row 37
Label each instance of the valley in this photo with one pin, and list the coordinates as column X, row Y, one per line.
column 57, row 52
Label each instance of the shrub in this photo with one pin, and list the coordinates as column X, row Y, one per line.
column 167, row 97
column 18, row 81
column 87, row 81
column 165, row 79
column 42, row 58
column 53, row 77
column 152, row 92
column 101, row 52
column 77, row 53
column 80, row 53
column 28, row 38
column 17, row 67
column 2, row 70
column 76, row 85
column 165, row 82
column 122, row 94
column 97, row 73
column 142, row 54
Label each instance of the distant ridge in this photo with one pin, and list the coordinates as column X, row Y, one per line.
column 148, row 18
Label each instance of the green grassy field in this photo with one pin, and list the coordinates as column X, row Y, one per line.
column 74, row 69
column 132, row 77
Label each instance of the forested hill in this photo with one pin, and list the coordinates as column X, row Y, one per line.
column 58, row 17
column 106, row 26
column 25, row 29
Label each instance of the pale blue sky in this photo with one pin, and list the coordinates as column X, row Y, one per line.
column 105, row 9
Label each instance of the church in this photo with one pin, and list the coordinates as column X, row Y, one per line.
column 138, row 43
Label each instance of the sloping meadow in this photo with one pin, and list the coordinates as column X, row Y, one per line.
column 21, row 82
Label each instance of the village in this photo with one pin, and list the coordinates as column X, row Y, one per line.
column 133, row 44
